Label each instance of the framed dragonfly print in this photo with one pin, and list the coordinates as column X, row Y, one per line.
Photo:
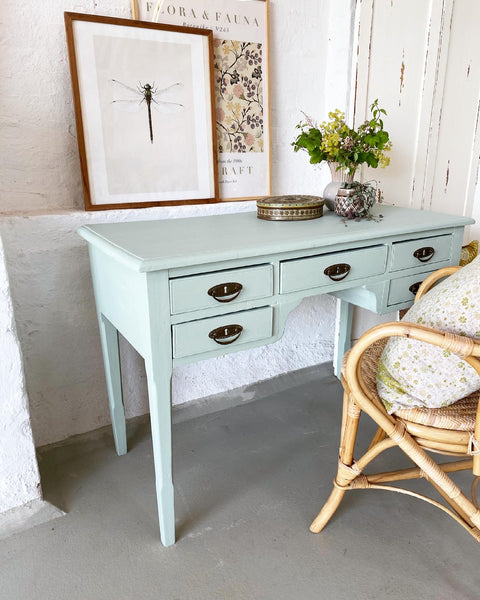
column 241, row 73
column 144, row 107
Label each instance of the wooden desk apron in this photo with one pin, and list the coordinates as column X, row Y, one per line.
column 181, row 290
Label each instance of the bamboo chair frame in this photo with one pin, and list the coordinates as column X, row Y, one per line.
column 413, row 438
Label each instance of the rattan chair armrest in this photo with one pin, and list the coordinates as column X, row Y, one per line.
column 432, row 279
column 466, row 347
column 461, row 345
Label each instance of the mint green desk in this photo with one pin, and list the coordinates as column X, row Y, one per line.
column 181, row 290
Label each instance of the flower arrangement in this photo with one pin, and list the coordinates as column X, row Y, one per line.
column 334, row 141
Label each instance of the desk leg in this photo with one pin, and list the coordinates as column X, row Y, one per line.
column 159, row 395
column 343, row 334
column 111, row 359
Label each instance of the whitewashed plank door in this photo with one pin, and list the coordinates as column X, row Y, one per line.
column 453, row 173
column 421, row 58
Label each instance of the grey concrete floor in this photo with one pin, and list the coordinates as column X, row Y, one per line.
column 249, row 480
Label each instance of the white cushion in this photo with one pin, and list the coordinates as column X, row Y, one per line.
column 413, row 373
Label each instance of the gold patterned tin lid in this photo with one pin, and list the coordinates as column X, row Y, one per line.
column 289, row 208
column 290, row 201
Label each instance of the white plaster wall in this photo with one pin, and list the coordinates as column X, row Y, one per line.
column 40, row 171
column 54, row 308
column 19, row 477
column 42, row 207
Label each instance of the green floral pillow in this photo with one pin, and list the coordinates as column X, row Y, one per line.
column 413, row 373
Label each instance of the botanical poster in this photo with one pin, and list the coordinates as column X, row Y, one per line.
column 238, row 96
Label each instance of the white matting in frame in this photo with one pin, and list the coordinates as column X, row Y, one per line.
column 241, row 73
column 144, row 109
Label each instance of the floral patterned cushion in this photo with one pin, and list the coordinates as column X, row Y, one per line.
column 413, row 373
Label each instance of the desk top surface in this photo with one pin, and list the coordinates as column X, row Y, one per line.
column 171, row 243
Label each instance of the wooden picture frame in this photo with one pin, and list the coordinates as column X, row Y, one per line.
column 130, row 155
column 242, row 85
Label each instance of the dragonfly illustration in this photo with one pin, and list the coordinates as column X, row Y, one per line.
column 131, row 99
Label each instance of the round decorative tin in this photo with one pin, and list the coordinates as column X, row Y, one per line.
column 290, row 208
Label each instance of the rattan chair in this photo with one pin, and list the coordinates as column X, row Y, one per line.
column 452, row 431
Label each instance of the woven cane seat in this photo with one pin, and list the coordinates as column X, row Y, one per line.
column 459, row 416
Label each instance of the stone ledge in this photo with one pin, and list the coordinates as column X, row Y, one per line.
column 29, row 515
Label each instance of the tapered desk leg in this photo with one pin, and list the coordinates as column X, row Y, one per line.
column 343, row 334
column 159, row 365
column 159, row 394
column 111, row 359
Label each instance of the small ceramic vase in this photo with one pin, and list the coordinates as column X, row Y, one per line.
column 339, row 176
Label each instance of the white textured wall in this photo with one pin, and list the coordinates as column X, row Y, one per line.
column 19, row 478
column 40, row 171
column 42, row 207
column 54, row 308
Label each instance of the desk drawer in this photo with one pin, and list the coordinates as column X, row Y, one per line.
column 399, row 290
column 220, row 287
column 415, row 253
column 305, row 273
column 197, row 337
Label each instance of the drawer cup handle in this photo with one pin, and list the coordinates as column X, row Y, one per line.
column 337, row 272
column 226, row 335
column 414, row 287
column 424, row 254
column 225, row 292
